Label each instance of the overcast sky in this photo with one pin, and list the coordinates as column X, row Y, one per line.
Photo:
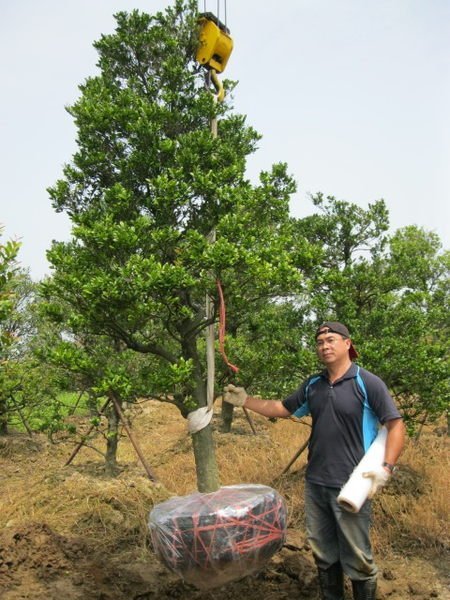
column 353, row 94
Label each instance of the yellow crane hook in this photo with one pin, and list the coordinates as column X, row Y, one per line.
column 214, row 49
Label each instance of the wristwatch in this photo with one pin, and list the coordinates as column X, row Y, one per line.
column 389, row 466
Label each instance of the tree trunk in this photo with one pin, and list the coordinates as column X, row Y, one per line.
column 205, row 460
column 202, row 441
column 22, row 416
column 422, row 424
column 112, row 441
column 3, row 418
column 227, row 417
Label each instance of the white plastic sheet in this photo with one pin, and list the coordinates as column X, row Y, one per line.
column 355, row 491
column 199, row 419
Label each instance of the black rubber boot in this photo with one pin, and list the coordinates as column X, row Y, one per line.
column 331, row 582
column 365, row 590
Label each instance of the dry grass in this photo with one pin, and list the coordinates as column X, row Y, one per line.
column 412, row 514
column 414, row 511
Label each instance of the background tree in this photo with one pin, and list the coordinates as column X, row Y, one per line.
column 406, row 332
column 271, row 345
column 392, row 292
column 8, row 270
column 110, row 375
column 350, row 240
column 29, row 388
column 8, row 284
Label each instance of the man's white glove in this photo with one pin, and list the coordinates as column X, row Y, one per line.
column 379, row 476
column 235, row 395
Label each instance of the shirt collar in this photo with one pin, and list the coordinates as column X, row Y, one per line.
column 349, row 374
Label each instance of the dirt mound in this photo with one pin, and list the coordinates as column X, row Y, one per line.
column 408, row 481
column 37, row 563
column 33, row 558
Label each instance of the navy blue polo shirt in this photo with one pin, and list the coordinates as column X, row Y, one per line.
column 345, row 416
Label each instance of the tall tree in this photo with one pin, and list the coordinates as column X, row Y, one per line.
column 145, row 189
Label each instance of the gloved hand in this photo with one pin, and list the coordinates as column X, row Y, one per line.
column 379, row 476
column 235, row 395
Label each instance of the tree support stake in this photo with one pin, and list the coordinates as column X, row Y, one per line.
column 250, row 420
column 81, row 443
column 295, row 457
column 148, row 470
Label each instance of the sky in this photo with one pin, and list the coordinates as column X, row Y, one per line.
column 354, row 95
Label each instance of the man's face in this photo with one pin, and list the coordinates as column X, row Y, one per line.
column 332, row 347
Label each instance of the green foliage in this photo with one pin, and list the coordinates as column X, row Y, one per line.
column 145, row 189
column 24, row 385
column 51, row 414
column 270, row 348
column 8, row 271
column 393, row 294
column 51, row 418
column 412, row 325
column 344, row 230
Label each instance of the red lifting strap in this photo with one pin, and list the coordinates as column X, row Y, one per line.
column 222, row 322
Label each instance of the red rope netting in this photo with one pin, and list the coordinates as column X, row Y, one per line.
column 211, row 539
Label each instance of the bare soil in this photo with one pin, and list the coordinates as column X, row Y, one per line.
column 37, row 563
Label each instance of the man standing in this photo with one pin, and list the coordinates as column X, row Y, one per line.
column 346, row 403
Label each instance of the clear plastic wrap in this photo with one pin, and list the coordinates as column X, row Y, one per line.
column 212, row 539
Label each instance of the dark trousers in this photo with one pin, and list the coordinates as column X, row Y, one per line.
column 336, row 535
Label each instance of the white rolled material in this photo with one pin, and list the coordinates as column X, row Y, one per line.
column 354, row 493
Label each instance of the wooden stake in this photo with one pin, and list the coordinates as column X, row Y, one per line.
column 250, row 420
column 149, row 471
column 294, row 458
column 81, row 443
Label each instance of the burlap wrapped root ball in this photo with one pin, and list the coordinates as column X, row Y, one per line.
column 212, row 539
